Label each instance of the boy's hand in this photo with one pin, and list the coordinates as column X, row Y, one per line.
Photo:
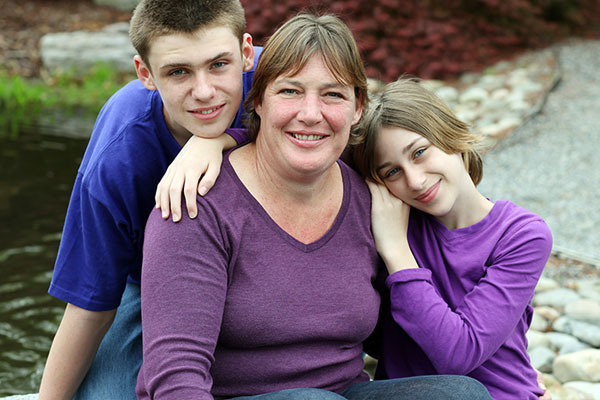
column 194, row 170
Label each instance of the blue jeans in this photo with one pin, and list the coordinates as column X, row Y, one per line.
column 114, row 371
column 447, row 387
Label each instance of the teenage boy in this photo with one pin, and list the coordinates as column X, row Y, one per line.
column 194, row 65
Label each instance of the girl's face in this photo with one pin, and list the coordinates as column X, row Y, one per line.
column 419, row 173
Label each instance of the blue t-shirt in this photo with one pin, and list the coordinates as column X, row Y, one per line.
column 128, row 153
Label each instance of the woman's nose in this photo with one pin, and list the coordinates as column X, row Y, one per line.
column 310, row 110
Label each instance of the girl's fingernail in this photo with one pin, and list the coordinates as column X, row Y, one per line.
column 202, row 191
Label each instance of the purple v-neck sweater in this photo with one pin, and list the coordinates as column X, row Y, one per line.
column 466, row 310
column 232, row 305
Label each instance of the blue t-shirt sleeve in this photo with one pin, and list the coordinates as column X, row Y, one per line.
column 96, row 254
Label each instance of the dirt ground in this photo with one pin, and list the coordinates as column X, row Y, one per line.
column 24, row 22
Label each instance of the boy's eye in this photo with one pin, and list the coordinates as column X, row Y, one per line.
column 219, row 64
column 177, row 72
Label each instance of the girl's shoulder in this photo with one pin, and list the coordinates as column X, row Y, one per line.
column 521, row 230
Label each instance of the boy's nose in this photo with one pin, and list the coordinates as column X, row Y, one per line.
column 203, row 88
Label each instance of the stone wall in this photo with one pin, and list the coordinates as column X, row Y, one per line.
column 118, row 4
column 79, row 51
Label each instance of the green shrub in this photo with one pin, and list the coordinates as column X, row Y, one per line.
column 22, row 101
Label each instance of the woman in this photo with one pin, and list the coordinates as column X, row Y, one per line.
column 270, row 289
column 462, row 269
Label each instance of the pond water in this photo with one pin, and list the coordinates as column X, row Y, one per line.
column 37, row 172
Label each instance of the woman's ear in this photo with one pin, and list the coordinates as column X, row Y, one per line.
column 358, row 110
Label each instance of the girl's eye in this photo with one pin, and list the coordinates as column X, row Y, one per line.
column 419, row 153
column 391, row 173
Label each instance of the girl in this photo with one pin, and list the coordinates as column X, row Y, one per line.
column 462, row 269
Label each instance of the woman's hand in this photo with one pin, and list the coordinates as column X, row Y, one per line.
column 389, row 223
column 194, row 170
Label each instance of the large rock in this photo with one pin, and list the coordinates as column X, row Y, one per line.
column 555, row 298
column 126, row 5
column 583, row 365
column 542, row 359
column 591, row 389
column 586, row 310
column 584, row 331
column 79, row 51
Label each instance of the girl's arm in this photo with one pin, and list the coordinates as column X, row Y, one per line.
column 194, row 171
column 458, row 340
column 183, row 291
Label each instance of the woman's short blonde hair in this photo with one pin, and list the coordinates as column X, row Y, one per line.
column 290, row 48
column 406, row 104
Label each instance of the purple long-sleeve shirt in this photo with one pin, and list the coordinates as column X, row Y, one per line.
column 467, row 309
column 233, row 305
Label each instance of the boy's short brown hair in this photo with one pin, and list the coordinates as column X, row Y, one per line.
column 153, row 18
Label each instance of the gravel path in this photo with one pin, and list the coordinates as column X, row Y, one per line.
column 551, row 164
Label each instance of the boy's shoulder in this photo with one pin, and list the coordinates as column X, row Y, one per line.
column 130, row 134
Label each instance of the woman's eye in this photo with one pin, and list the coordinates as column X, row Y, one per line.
column 335, row 94
column 288, row 91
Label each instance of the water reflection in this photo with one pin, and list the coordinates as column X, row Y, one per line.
column 37, row 172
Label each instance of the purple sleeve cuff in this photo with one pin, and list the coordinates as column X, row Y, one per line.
column 406, row 275
column 240, row 135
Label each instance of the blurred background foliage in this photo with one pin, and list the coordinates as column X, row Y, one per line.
column 432, row 39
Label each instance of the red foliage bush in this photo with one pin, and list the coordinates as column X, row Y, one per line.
column 435, row 38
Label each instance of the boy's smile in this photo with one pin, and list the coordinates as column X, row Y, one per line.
column 199, row 78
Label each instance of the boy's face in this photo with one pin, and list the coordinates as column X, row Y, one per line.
column 199, row 78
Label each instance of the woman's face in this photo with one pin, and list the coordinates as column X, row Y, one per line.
column 306, row 119
column 419, row 173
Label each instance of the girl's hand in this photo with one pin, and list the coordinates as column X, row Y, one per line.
column 389, row 223
column 542, row 385
column 194, row 170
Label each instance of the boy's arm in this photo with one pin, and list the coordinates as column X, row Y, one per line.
column 73, row 350
column 194, row 170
